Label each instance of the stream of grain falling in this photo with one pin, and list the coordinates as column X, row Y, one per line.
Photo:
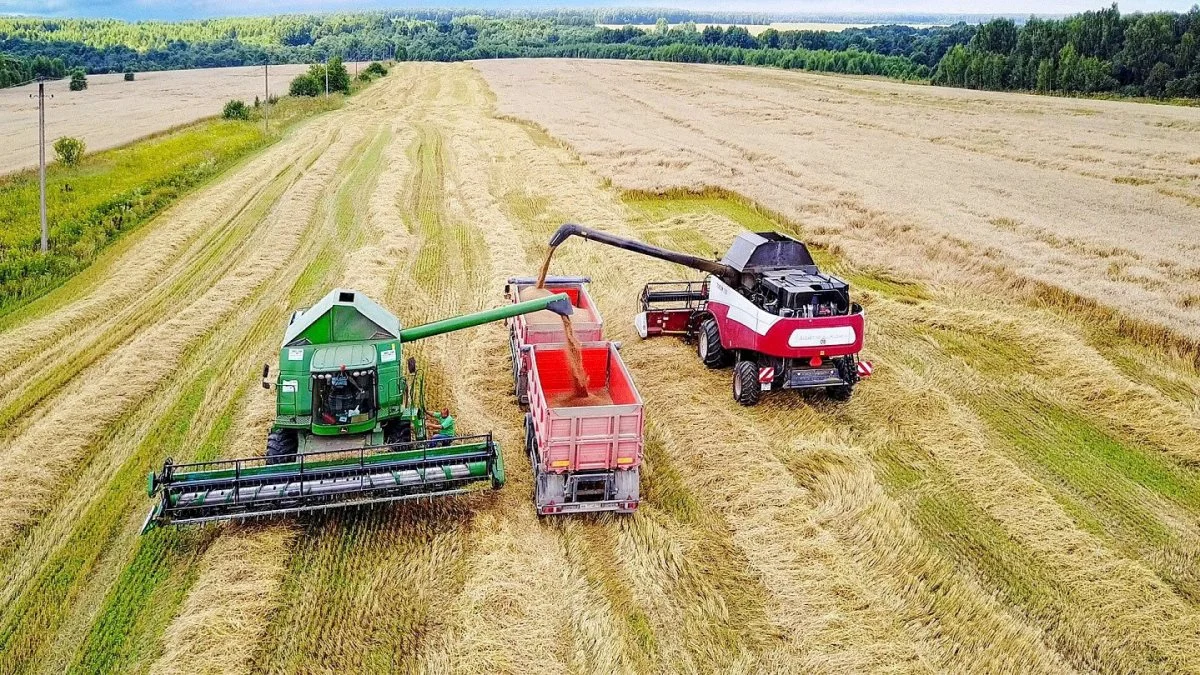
column 579, row 378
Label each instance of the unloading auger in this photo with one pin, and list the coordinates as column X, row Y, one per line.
column 350, row 424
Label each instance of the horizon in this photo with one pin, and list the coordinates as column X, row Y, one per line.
column 816, row 10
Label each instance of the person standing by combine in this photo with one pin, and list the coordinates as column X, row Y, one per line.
column 445, row 427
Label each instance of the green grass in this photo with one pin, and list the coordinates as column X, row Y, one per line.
column 112, row 192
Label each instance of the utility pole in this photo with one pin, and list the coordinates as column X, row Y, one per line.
column 267, row 94
column 42, row 159
column 327, row 76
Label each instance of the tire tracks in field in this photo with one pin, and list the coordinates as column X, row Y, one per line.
column 390, row 568
column 116, row 308
column 674, row 641
column 285, row 230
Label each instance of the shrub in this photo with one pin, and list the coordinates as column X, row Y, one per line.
column 376, row 68
column 69, row 150
column 129, row 76
column 305, row 85
column 236, row 110
column 339, row 79
column 78, row 81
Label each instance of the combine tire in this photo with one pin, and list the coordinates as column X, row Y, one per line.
column 708, row 345
column 840, row 393
column 397, row 432
column 746, row 389
column 281, row 446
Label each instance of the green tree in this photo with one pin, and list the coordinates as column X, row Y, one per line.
column 1069, row 75
column 1045, row 76
column 1156, row 81
column 998, row 36
column 1148, row 41
column 78, row 81
column 129, row 76
column 69, row 151
column 236, row 110
column 339, row 79
column 306, row 85
column 661, row 26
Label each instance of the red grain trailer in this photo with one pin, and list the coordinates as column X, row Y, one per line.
column 586, row 452
column 546, row 328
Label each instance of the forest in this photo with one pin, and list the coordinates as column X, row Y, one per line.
column 1104, row 51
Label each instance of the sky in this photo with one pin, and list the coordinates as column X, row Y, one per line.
column 193, row 9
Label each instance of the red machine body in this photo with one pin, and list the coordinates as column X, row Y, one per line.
column 765, row 308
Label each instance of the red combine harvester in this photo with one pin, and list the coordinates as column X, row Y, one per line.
column 765, row 308
column 586, row 452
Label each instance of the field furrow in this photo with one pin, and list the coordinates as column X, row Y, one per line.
column 1016, row 489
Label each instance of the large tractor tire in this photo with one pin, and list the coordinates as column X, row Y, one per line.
column 708, row 345
column 746, row 389
column 840, row 393
column 281, row 446
column 849, row 373
column 397, row 431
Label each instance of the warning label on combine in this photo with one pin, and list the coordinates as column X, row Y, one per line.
column 295, row 355
column 387, row 355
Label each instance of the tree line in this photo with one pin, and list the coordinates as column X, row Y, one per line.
column 14, row 71
column 1103, row 51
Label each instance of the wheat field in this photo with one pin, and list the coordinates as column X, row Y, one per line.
column 1015, row 490
column 113, row 112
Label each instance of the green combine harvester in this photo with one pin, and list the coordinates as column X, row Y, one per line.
column 350, row 423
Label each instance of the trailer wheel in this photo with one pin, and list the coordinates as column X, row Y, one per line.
column 281, row 446
column 708, row 345
column 746, row 389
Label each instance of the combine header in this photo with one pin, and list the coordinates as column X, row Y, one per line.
column 350, row 425
column 765, row 308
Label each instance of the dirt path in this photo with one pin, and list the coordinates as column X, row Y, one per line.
column 978, row 506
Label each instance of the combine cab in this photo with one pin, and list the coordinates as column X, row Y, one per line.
column 350, row 423
column 765, row 308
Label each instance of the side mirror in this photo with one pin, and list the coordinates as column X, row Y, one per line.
column 266, row 374
column 412, row 365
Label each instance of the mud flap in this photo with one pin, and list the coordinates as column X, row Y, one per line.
column 627, row 485
column 551, row 489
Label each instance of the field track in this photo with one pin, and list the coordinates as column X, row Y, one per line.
column 1017, row 489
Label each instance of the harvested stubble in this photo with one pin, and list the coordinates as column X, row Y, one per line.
column 950, row 518
column 897, row 174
